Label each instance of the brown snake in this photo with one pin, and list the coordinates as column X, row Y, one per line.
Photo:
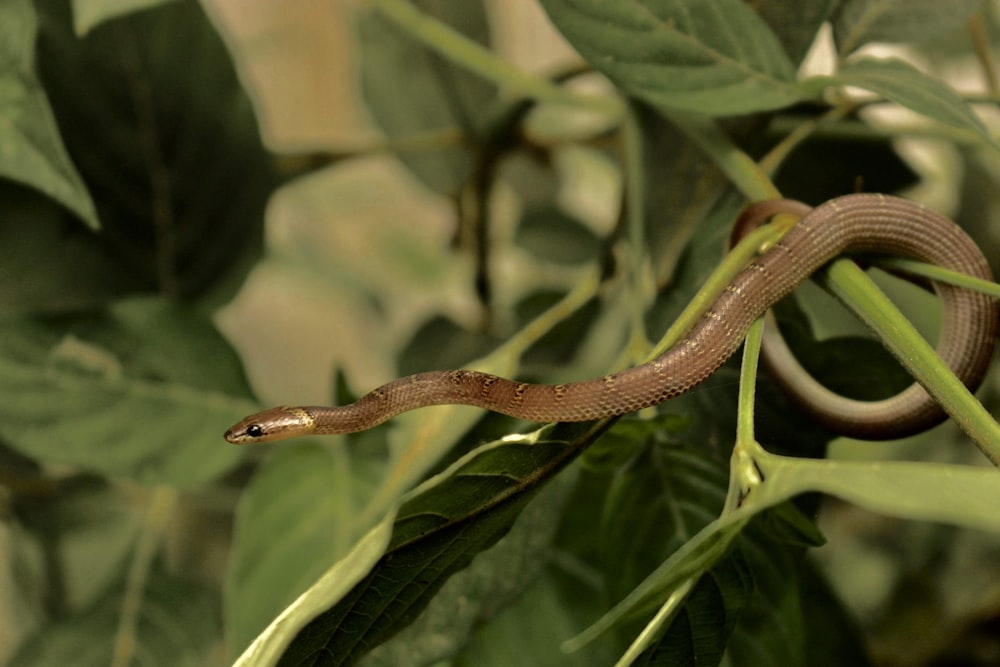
column 853, row 223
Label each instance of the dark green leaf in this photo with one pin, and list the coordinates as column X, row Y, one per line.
column 701, row 631
column 51, row 262
column 495, row 579
column 668, row 494
column 795, row 24
column 437, row 533
column 715, row 57
column 440, row 343
column 173, row 160
column 828, row 166
column 900, row 82
column 32, row 151
column 555, row 236
column 858, row 22
column 142, row 391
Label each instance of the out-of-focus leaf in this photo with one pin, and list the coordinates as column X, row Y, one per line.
column 52, row 263
column 32, row 151
column 900, row 82
column 858, row 22
column 555, row 236
column 267, row 649
column 159, row 127
column 176, row 626
column 144, row 391
column 87, row 14
column 714, row 57
column 92, row 525
column 795, row 24
column 410, row 90
column 441, row 343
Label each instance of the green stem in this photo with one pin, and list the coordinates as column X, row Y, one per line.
column 731, row 265
column 739, row 167
column 849, row 283
column 748, row 381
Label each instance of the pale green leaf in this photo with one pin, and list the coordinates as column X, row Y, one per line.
column 957, row 495
column 293, row 521
column 900, row 82
column 88, row 14
column 335, row 583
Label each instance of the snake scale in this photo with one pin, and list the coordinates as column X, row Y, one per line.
column 868, row 223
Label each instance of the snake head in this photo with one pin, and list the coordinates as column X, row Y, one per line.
column 270, row 425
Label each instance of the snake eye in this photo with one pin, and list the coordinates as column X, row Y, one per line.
column 255, row 430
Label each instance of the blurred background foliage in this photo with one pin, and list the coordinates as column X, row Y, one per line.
column 210, row 207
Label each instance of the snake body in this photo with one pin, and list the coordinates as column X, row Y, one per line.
column 853, row 223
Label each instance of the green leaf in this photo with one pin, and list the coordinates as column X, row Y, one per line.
column 795, row 24
column 412, row 90
column 529, row 632
column 714, row 57
column 176, row 627
column 900, row 82
column 32, row 151
column 94, row 525
column 859, row 22
column 557, row 237
column 495, row 579
column 266, row 650
column 668, row 494
column 436, row 534
column 958, row 495
column 52, row 263
column 173, row 161
column 294, row 520
column 143, row 391
column 700, row 632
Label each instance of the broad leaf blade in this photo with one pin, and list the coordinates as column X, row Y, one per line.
column 173, row 161
column 32, row 151
column 143, row 392
column 437, row 533
column 900, row 82
column 701, row 631
column 859, row 22
column 715, row 57
column 176, row 627
column 411, row 90
column 293, row 521
column 494, row 580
